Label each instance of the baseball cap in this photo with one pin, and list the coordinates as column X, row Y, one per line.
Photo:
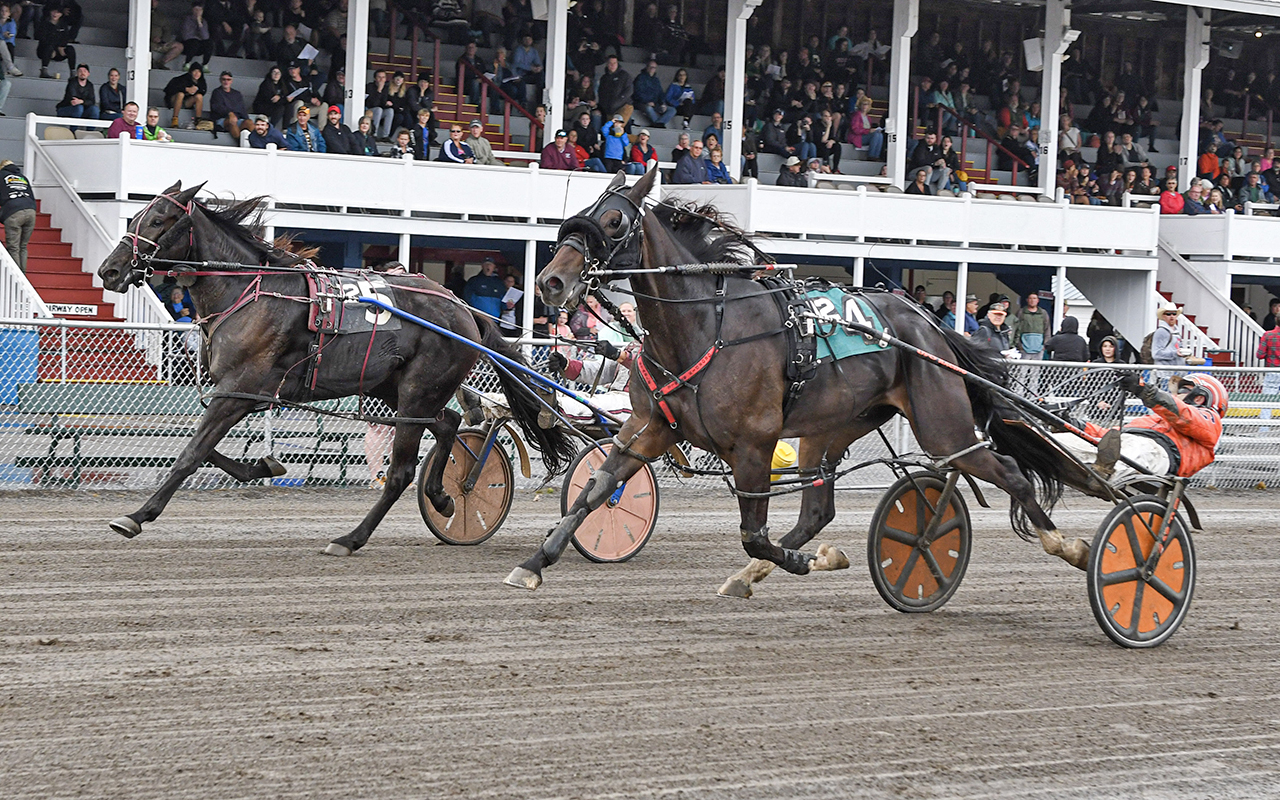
column 645, row 132
column 560, row 133
column 617, row 118
column 971, row 298
column 304, row 110
column 475, row 123
column 335, row 108
column 1068, row 164
column 226, row 74
column 488, row 260
column 261, row 118
column 791, row 162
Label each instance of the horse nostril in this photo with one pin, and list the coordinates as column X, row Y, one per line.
column 554, row 284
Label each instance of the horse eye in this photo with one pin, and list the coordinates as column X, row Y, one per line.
column 155, row 223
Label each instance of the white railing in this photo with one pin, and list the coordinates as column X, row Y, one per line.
column 1223, row 237
column 18, row 298
column 89, row 239
column 1251, row 208
column 1213, row 308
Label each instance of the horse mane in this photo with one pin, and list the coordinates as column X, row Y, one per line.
column 241, row 221
column 709, row 234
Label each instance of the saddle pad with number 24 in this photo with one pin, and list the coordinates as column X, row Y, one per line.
column 836, row 342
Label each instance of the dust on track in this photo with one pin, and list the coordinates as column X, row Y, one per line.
column 219, row 655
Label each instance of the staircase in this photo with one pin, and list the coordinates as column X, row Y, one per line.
column 1216, row 318
column 1197, row 336
column 62, row 283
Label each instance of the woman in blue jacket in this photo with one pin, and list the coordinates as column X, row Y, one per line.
column 681, row 97
column 717, row 170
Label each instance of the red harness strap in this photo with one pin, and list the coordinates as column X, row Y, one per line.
column 661, row 394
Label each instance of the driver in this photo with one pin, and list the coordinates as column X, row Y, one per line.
column 1178, row 437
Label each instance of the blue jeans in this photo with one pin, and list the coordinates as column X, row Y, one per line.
column 595, row 165
column 635, row 168
column 657, row 117
column 875, row 145
column 79, row 112
column 806, row 151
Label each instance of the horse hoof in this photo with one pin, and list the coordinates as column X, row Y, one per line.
column 445, row 508
column 127, row 527
column 735, row 588
column 277, row 469
column 522, row 578
column 829, row 558
column 335, row 549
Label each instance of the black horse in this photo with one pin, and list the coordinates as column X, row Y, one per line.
column 733, row 405
column 255, row 323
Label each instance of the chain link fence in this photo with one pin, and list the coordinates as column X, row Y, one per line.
column 101, row 405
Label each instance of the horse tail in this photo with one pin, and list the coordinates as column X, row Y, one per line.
column 1037, row 461
column 523, row 397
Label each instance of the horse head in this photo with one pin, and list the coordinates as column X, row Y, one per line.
column 605, row 235
column 155, row 232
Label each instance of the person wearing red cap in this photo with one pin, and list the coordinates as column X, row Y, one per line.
column 338, row 138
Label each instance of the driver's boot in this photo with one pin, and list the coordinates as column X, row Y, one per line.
column 1108, row 454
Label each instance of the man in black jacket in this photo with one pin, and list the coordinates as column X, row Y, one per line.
column 187, row 91
column 54, row 39
column 79, row 101
column 17, row 211
column 928, row 154
column 338, row 138
column 226, row 106
column 614, row 91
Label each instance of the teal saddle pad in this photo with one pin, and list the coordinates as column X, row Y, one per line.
column 842, row 343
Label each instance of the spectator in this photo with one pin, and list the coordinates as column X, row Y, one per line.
column 1269, row 354
column 614, row 90
column 1067, row 344
column 1069, row 142
column 480, row 146
column 1237, row 166
column 79, row 100
column 54, row 40
column 713, row 95
column 152, row 132
column 506, row 79
column 302, row 136
column 648, row 31
column 970, row 321
column 527, row 63
column 187, row 91
column 1193, row 200
column 455, row 150
column 643, row 156
column 827, row 141
column 681, row 149
column 920, row 183
column 290, row 47
column 403, row 145
column 616, row 143
column 790, row 174
column 484, row 291
column 716, row 128
column 1252, row 191
column 263, row 134
column 377, row 102
column 365, row 142
column 800, row 139
column 1209, row 165
column 585, row 159
column 226, row 106
column 1132, row 151
column 298, row 91
column 421, row 95
column 272, row 98
column 675, row 39
column 195, row 35
column 559, row 155
column 589, row 321
column 992, row 330
column 110, row 95
column 1272, row 317
column 693, row 167
column 165, row 47
column 681, row 97
column 750, row 151
column 177, row 305
column 338, row 138
column 717, row 171
column 1166, row 345
column 470, row 67
column 1031, row 328
column 928, row 154
column 774, row 136
column 127, row 123
column 17, row 211
column 422, row 137
column 228, row 22
column 257, row 37
column 863, row 133
column 335, row 90
column 1171, row 201
column 588, row 136
column 1215, row 202
column 649, row 98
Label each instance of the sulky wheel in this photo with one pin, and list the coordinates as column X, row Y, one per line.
column 617, row 530
column 479, row 512
column 917, row 557
column 1137, row 603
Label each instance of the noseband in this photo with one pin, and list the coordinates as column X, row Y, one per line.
column 131, row 239
column 584, row 233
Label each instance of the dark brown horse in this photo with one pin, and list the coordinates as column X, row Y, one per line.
column 734, row 406
column 258, row 344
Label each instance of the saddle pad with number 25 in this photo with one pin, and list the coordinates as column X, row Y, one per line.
column 334, row 308
column 836, row 342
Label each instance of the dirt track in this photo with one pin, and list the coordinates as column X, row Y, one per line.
column 219, row 655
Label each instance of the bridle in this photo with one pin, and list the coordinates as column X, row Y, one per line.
column 600, row 250
column 131, row 239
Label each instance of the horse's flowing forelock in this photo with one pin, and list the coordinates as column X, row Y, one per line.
column 716, row 240
column 242, row 222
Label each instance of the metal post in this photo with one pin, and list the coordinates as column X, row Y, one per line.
column 962, row 290
column 859, row 270
column 357, row 60
column 553, row 67
column 1195, row 58
column 138, row 56
column 1059, row 297
column 1057, row 37
column 735, row 78
column 63, row 354
column 906, row 19
column 530, row 291
column 402, row 255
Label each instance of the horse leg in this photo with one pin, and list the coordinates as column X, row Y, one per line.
column 221, row 416
column 751, row 472
column 445, row 431
column 1003, row 472
column 620, row 465
column 404, row 457
column 265, row 467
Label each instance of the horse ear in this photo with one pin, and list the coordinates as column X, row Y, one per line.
column 643, row 186
column 187, row 196
column 174, row 189
column 618, row 181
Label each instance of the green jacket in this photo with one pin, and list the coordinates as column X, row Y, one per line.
column 1033, row 322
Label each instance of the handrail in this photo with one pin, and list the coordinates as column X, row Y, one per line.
column 535, row 128
column 150, row 305
column 1249, row 330
column 17, row 295
column 965, row 124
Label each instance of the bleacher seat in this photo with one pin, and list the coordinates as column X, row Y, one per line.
column 55, row 133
